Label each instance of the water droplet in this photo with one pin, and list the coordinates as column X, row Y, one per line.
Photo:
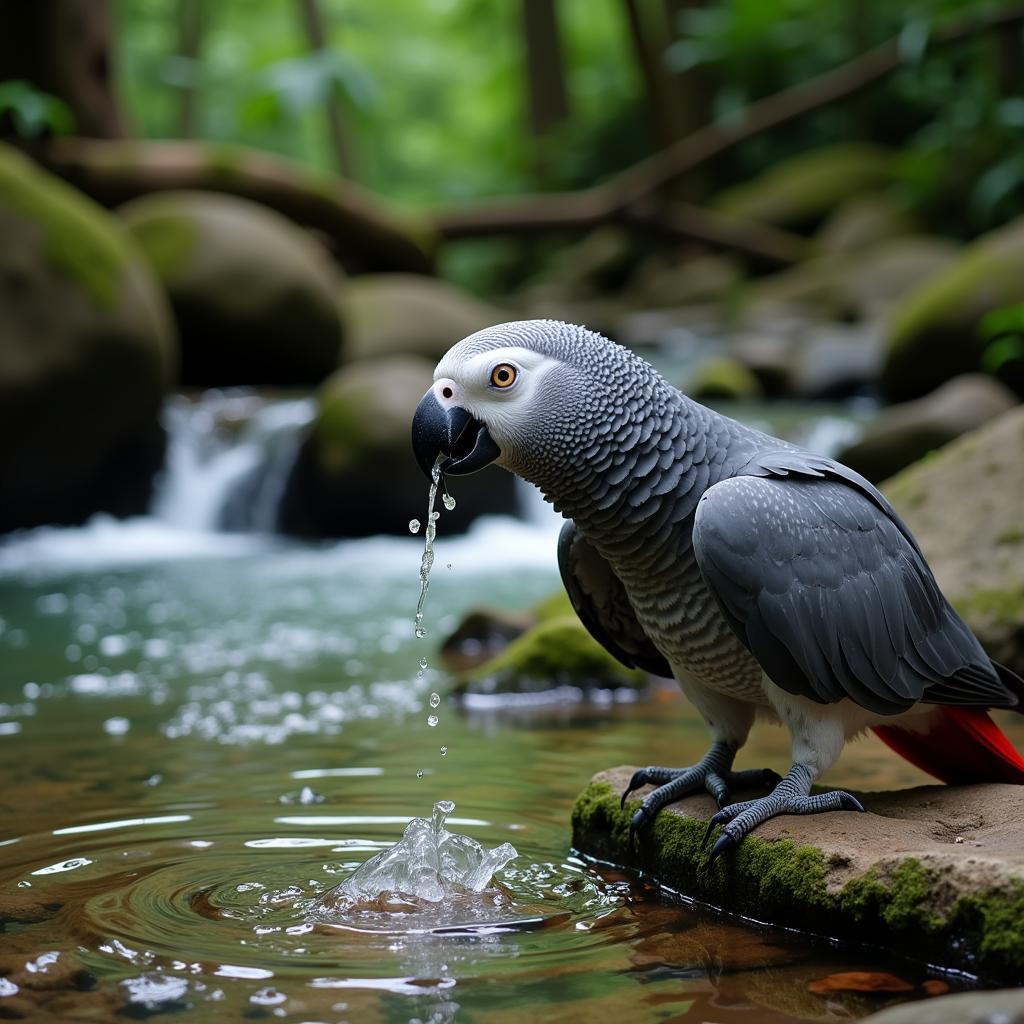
column 414, row 526
column 444, row 751
column 448, row 565
column 24, row 884
column 420, row 773
column 420, row 632
column 449, row 501
column 423, row 662
column 435, row 699
column 434, row 516
column 431, row 720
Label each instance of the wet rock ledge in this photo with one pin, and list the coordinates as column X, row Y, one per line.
column 934, row 873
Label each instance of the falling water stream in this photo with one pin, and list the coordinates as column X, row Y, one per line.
column 209, row 739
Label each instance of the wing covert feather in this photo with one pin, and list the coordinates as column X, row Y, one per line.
column 829, row 591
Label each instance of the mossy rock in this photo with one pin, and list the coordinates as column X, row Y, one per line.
column 392, row 314
column 356, row 475
column 88, row 350
column 803, row 190
column 861, row 284
column 932, row 333
column 255, row 297
column 723, row 377
column 1005, row 1006
column 555, row 652
column 957, row 904
column 965, row 505
column 862, row 221
column 906, row 432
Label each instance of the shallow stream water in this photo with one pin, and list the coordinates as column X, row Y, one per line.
column 202, row 734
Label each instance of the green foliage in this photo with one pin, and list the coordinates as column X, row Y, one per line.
column 32, row 112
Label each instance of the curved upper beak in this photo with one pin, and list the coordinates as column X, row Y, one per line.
column 452, row 432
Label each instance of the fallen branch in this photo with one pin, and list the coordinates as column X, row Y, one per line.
column 640, row 183
column 362, row 234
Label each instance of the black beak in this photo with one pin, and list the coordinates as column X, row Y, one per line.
column 451, row 432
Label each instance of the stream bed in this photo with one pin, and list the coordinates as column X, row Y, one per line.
column 202, row 734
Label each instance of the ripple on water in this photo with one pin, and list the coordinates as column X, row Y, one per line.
column 224, row 894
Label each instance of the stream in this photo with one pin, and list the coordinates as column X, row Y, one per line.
column 205, row 732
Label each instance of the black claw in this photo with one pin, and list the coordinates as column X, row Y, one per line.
column 707, row 835
column 724, row 842
column 638, row 781
column 636, row 823
column 851, row 803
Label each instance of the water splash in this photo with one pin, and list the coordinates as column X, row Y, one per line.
column 428, row 863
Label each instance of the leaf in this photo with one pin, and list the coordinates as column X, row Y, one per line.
column 859, row 981
column 913, row 40
column 33, row 111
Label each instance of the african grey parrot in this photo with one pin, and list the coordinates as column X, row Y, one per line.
column 767, row 580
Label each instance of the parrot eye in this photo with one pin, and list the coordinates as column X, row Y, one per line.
column 503, row 376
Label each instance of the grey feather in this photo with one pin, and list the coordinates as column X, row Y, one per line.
column 602, row 605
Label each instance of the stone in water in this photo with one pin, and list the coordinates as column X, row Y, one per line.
column 427, row 863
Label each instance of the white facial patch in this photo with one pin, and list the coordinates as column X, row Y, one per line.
column 499, row 408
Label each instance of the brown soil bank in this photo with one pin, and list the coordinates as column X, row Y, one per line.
column 934, row 873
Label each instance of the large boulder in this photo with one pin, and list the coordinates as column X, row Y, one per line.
column 356, row 475
column 965, row 506
column 862, row 284
column 904, row 433
column 1005, row 1006
column 803, row 190
column 87, row 350
column 256, row 298
column 394, row 314
column 932, row 333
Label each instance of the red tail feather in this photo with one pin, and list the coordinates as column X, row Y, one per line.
column 963, row 745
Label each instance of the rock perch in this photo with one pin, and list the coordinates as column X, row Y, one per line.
column 934, row 873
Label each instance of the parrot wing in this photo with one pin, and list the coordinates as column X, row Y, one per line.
column 822, row 581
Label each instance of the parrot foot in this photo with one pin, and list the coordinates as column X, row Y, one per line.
column 790, row 796
column 712, row 772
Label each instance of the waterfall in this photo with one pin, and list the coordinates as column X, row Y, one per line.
column 228, row 457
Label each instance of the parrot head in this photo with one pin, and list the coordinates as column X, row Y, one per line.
column 497, row 396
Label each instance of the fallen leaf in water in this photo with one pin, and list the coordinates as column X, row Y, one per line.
column 859, row 981
column 935, row 987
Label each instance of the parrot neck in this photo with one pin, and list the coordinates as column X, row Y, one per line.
column 642, row 476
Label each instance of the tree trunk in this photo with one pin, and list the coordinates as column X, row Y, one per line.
column 64, row 48
column 340, row 137
column 545, row 70
column 649, row 38
column 190, row 35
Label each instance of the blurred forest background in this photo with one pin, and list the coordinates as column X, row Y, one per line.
column 774, row 199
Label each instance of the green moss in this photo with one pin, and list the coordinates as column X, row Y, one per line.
column 168, row 242
column 340, row 433
column 557, row 606
column 225, row 162
column 808, row 186
column 724, row 378
column 80, row 239
column 1014, row 535
column 931, row 334
column 559, row 650
column 790, row 884
column 1004, row 606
